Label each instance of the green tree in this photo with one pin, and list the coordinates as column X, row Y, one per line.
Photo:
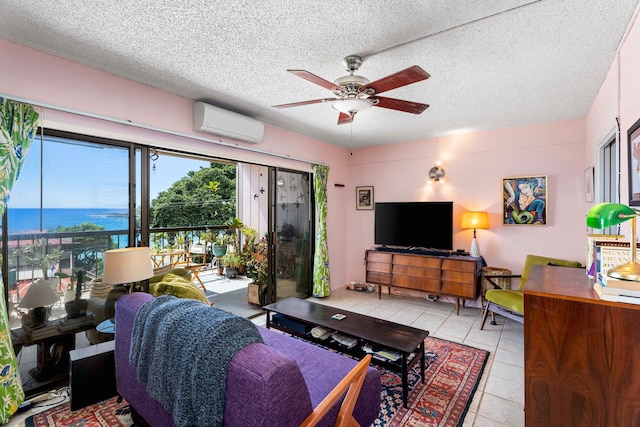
column 205, row 197
column 85, row 249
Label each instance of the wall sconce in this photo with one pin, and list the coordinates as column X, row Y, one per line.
column 436, row 173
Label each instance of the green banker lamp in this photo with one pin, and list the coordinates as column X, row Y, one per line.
column 605, row 215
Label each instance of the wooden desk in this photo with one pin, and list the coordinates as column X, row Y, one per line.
column 581, row 366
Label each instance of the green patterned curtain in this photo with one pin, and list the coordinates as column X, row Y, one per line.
column 18, row 125
column 321, row 278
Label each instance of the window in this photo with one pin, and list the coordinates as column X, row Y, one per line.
column 608, row 173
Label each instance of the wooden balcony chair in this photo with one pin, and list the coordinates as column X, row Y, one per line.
column 351, row 384
column 510, row 302
column 194, row 261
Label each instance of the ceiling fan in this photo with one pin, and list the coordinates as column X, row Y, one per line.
column 354, row 93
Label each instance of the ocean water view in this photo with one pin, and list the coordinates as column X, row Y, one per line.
column 24, row 220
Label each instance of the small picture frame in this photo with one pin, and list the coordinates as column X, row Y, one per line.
column 364, row 198
column 525, row 200
column 588, row 184
column 633, row 136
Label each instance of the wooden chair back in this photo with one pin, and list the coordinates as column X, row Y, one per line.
column 351, row 384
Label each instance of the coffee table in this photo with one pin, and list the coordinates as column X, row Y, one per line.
column 405, row 340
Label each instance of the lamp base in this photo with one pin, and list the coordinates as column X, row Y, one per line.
column 628, row 271
column 475, row 249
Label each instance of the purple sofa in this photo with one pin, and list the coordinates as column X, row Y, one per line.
column 275, row 383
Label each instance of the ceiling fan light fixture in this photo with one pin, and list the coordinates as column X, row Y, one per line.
column 352, row 79
column 351, row 106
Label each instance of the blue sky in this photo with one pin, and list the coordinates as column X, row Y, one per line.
column 92, row 176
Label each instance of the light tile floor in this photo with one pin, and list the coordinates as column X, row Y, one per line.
column 499, row 400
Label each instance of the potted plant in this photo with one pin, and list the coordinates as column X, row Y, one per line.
column 236, row 225
column 220, row 243
column 258, row 271
column 37, row 256
column 231, row 262
column 78, row 306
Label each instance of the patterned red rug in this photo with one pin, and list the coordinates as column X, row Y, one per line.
column 452, row 375
column 108, row 413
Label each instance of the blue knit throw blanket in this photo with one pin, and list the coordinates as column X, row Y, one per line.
column 181, row 350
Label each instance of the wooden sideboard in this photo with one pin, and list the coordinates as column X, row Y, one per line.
column 581, row 353
column 454, row 276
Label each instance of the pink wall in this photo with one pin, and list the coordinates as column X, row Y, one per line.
column 33, row 76
column 619, row 97
column 475, row 164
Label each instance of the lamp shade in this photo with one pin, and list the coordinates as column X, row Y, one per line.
column 605, row 215
column 39, row 294
column 474, row 220
column 351, row 105
column 127, row 265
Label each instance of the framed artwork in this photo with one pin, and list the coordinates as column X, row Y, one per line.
column 588, row 184
column 633, row 135
column 364, row 198
column 524, row 200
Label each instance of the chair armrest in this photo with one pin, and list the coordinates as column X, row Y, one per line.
column 489, row 278
column 351, row 384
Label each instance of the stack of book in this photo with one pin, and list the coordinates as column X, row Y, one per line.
column 46, row 331
column 68, row 324
column 381, row 353
column 617, row 290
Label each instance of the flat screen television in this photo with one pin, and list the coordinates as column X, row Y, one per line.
column 423, row 225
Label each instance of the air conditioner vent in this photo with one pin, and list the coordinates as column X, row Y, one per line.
column 211, row 119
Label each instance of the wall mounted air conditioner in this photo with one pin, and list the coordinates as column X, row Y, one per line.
column 207, row 118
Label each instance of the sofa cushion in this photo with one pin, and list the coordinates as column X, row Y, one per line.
column 177, row 271
column 177, row 286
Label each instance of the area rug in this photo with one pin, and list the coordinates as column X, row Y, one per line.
column 452, row 374
column 109, row 413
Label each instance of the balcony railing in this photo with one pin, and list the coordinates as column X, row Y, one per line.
column 83, row 250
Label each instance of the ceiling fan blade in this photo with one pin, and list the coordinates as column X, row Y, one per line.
column 344, row 118
column 313, row 78
column 401, row 78
column 298, row 104
column 401, row 105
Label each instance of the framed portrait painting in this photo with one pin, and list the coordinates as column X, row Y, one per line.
column 364, row 198
column 524, row 200
column 633, row 135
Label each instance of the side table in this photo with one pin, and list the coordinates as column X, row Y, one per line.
column 491, row 279
column 54, row 342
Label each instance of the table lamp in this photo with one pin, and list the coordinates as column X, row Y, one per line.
column 38, row 296
column 474, row 220
column 605, row 215
column 122, row 267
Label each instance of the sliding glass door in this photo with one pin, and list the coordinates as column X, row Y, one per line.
column 291, row 228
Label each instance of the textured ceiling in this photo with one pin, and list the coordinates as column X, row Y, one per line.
column 493, row 63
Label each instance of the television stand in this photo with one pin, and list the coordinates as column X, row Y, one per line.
column 452, row 275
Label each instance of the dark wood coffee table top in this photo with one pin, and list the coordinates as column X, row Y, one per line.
column 383, row 332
